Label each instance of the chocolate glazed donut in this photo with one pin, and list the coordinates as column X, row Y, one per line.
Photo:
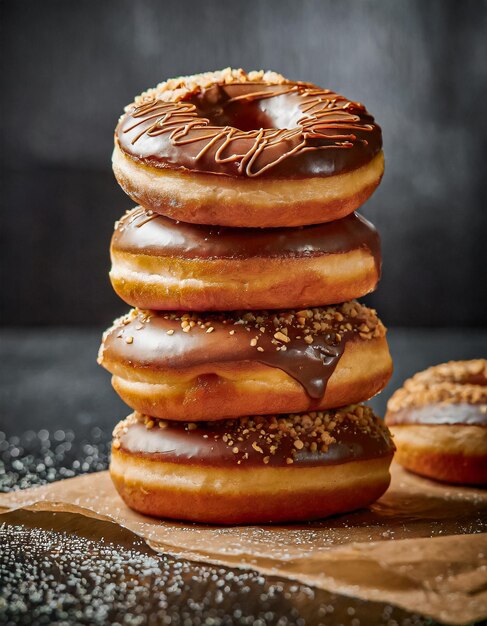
column 165, row 265
column 253, row 469
column 439, row 420
column 253, row 150
column 211, row 366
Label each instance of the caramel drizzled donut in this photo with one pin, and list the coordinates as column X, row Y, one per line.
column 439, row 419
column 251, row 150
column 252, row 469
column 195, row 367
column 161, row 264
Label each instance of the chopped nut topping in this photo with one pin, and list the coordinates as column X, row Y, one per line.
column 276, row 439
column 185, row 86
column 278, row 328
column 454, row 382
column 281, row 337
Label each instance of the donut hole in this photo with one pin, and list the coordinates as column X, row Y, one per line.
column 222, row 106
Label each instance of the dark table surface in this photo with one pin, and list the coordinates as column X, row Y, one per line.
column 57, row 413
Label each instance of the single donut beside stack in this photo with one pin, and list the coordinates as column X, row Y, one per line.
column 439, row 421
column 246, row 354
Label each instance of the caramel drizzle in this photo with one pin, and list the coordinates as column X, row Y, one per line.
column 323, row 111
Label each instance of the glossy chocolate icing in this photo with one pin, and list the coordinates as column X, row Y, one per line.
column 448, row 413
column 248, row 129
column 144, row 232
column 232, row 443
column 142, row 340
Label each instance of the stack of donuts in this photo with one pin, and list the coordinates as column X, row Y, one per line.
column 246, row 356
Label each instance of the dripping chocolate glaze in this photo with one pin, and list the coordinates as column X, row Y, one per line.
column 289, row 130
column 448, row 413
column 142, row 231
column 225, row 443
column 142, row 339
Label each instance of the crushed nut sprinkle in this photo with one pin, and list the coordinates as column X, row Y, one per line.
column 279, row 329
column 184, row 86
column 280, row 336
column 279, row 439
column 454, row 382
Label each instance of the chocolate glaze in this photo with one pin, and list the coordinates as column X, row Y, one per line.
column 448, row 413
column 205, row 445
column 289, row 130
column 146, row 344
column 146, row 232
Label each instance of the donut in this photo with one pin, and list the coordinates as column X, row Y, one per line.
column 158, row 263
column 252, row 469
column 197, row 367
column 439, row 421
column 253, row 150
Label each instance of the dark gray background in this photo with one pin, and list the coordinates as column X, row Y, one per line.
column 68, row 68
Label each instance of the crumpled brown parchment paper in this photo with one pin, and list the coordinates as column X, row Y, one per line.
column 422, row 546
